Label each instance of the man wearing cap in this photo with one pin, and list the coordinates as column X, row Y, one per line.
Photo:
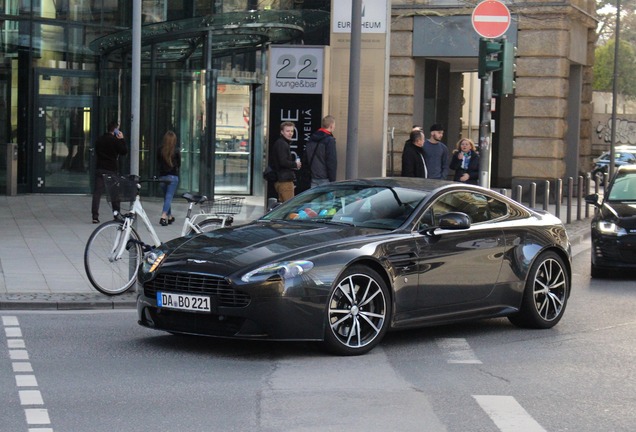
column 436, row 154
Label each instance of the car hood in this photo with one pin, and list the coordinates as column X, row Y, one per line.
column 625, row 211
column 258, row 243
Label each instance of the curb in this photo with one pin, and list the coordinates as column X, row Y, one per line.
column 68, row 302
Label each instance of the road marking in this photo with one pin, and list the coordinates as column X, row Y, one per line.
column 24, row 377
column 37, row 416
column 507, row 414
column 31, row 397
column 457, row 350
column 12, row 332
column 22, row 367
column 18, row 354
column 26, row 381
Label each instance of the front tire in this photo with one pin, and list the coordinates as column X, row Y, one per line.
column 358, row 312
column 545, row 295
column 107, row 275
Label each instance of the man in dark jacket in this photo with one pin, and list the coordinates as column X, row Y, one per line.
column 436, row 153
column 108, row 148
column 320, row 153
column 413, row 164
column 283, row 162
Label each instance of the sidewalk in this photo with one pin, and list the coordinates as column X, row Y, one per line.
column 42, row 248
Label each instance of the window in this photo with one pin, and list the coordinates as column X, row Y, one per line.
column 479, row 207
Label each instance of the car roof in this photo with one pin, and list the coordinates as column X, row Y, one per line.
column 405, row 182
column 628, row 168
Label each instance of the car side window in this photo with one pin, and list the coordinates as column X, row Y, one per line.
column 479, row 207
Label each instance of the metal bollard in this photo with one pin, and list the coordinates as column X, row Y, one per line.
column 533, row 195
column 519, row 194
column 597, row 188
column 588, row 178
column 546, row 196
column 578, row 199
column 558, row 198
column 570, row 192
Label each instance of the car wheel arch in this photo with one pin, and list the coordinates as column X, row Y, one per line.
column 375, row 265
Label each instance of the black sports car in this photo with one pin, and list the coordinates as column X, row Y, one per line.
column 345, row 262
column 614, row 224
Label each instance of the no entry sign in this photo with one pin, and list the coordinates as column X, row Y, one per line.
column 491, row 19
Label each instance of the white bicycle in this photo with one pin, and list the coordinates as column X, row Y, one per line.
column 114, row 250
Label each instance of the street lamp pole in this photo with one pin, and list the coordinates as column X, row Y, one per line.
column 354, row 90
column 614, row 89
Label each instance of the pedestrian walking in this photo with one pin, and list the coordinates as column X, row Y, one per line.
column 169, row 159
column 284, row 162
column 413, row 163
column 465, row 162
column 320, row 153
column 436, row 153
column 108, row 148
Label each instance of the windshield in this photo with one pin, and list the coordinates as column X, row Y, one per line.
column 360, row 206
column 623, row 187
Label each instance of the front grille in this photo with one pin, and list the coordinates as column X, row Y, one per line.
column 197, row 284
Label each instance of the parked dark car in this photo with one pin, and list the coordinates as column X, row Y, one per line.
column 623, row 155
column 345, row 262
column 614, row 224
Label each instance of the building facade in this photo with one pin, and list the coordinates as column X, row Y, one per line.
column 544, row 131
column 65, row 71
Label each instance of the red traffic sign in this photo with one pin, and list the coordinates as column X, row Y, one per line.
column 491, row 19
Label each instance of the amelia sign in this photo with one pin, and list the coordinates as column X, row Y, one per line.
column 374, row 16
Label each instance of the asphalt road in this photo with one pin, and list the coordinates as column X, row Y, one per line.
column 100, row 371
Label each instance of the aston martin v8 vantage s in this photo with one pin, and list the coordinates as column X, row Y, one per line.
column 346, row 262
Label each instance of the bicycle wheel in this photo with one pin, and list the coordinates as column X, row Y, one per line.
column 107, row 275
column 207, row 225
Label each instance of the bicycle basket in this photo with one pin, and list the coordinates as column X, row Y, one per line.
column 225, row 205
column 120, row 189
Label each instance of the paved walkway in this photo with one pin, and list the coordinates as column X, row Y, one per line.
column 42, row 239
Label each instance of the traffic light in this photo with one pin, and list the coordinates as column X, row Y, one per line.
column 508, row 67
column 489, row 56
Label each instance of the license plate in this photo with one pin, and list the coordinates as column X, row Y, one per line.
column 186, row 302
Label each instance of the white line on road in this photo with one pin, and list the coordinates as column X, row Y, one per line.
column 31, row 397
column 24, row 376
column 457, row 350
column 507, row 414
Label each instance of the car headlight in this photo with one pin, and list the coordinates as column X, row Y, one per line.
column 152, row 260
column 610, row 228
column 285, row 269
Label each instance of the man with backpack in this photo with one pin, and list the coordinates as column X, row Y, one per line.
column 320, row 153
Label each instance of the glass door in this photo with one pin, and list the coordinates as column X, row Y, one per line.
column 62, row 144
column 233, row 150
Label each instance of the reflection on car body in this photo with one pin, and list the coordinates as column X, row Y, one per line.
column 346, row 262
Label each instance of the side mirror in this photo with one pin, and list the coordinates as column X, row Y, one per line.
column 272, row 203
column 592, row 199
column 454, row 221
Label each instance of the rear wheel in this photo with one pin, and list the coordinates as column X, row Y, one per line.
column 107, row 274
column 358, row 312
column 545, row 295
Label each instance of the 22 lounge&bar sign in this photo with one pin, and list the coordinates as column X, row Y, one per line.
column 296, row 76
